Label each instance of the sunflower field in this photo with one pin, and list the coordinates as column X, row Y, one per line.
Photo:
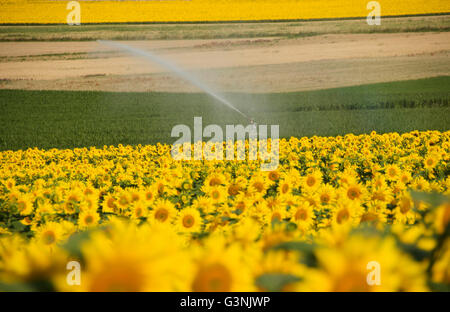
column 137, row 220
column 51, row 12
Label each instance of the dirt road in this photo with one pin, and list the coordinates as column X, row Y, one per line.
column 246, row 65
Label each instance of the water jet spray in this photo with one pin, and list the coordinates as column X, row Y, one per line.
column 172, row 67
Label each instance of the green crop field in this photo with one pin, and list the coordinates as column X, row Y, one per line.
column 67, row 119
column 291, row 29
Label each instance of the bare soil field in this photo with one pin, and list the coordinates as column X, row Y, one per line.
column 265, row 64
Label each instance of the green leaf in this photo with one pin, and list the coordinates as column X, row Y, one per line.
column 18, row 226
column 417, row 253
column 73, row 244
column 306, row 250
column 295, row 245
column 15, row 287
column 439, row 287
column 291, row 226
column 231, row 220
column 434, row 199
column 275, row 282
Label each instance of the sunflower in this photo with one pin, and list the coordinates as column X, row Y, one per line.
column 110, row 204
column 88, row 218
column 294, row 176
column 138, row 210
column 215, row 179
column 90, row 191
column 276, row 262
column 290, row 201
column 375, row 215
column 31, row 262
column 348, row 176
column 124, row 200
column 167, row 225
column 326, row 194
column 70, row 207
column 258, row 184
column 27, row 221
column 273, row 175
column 382, row 194
column 10, row 183
column 312, row 180
column 189, row 220
column 234, row 188
column 135, row 196
column 275, row 234
column 354, row 192
column 441, row 269
column 4, row 231
column 163, row 211
column 420, row 184
column 204, row 204
column 186, row 185
column 50, row 233
column 392, row 172
column 285, row 187
column 430, row 161
column 14, row 195
column 217, row 194
column 275, row 213
column 274, row 203
column 75, row 195
column 302, row 214
column 293, row 158
column 134, row 259
column 352, row 262
column 379, row 181
column 89, row 203
column 149, row 194
column 312, row 198
column 220, row 268
column 442, row 218
column 404, row 212
column 24, row 204
column 347, row 212
column 405, row 177
column 247, row 231
column 161, row 187
column 241, row 205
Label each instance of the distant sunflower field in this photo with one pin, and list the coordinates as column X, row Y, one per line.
column 138, row 220
column 51, row 12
